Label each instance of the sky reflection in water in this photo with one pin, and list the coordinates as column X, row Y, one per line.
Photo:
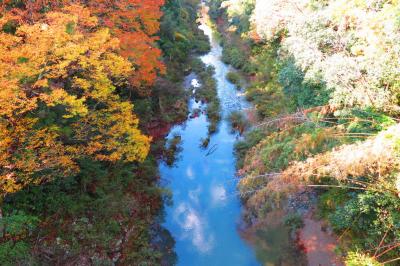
column 206, row 211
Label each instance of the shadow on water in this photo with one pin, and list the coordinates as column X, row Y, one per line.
column 272, row 242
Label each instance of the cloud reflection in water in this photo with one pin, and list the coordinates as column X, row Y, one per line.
column 195, row 194
column 218, row 195
column 190, row 173
column 194, row 228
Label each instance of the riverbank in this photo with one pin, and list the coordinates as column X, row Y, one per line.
column 275, row 243
column 311, row 153
column 306, row 239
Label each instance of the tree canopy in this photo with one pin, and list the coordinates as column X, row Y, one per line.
column 59, row 102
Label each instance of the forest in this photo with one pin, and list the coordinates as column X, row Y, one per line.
column 91, row 95
column 88, row 89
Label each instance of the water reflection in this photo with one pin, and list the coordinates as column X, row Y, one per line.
column 205, row 213
column 189, row 172
column 272, row 242
column 218, row 195
column 194, row 227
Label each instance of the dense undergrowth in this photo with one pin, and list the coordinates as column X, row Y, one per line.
column 109, row 209
column 328, row 108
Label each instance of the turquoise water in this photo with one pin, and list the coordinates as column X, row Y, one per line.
column 205, row 213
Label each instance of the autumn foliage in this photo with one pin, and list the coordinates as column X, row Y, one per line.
column 59, row 77
column 78, row 183
column 134, row 22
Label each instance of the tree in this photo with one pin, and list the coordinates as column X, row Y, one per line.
column 58, row 80
column 134, row 22
column 351, row 46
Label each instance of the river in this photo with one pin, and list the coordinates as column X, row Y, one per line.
column 206, row 211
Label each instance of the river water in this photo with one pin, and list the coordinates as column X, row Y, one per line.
column 205, row 214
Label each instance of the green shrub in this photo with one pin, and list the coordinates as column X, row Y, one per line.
column 330, row 200
column 10, row 27
column 14, row 253
column 305, row 94
column 269, row 99
column 251, row 139
column 365, row 120
column 234, row 78
column 359, row 259
column 214, row 116
column 236, row 58
column 202, row 45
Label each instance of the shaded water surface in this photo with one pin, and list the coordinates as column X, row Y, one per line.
column 205, row 213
